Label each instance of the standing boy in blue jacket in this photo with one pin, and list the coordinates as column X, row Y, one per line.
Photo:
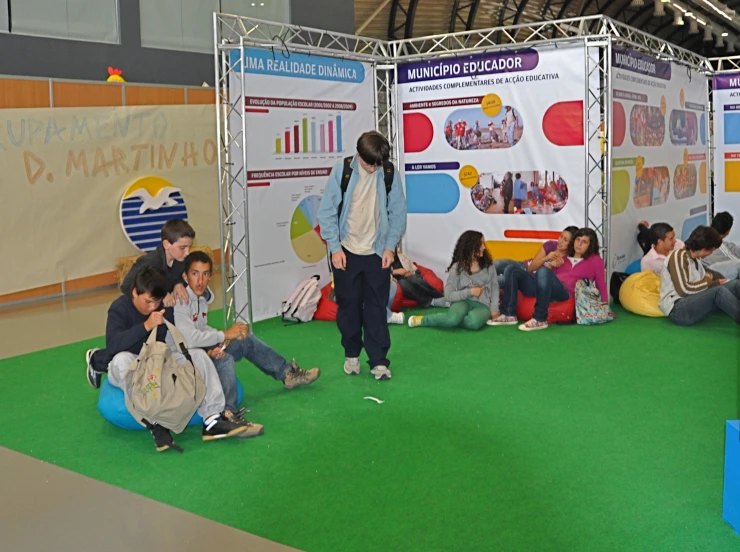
column 362, row 221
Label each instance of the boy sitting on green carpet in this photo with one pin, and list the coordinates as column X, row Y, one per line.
column 225, row 348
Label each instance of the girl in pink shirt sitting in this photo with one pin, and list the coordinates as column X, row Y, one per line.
column 554, row 284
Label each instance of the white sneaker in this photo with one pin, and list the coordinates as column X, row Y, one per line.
column 381, row 373
column 397, row 318
column 414, row 321
column 503, row 320
column 533, row 325
column 352, row 366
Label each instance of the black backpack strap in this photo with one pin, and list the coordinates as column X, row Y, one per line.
column 346, row 175
column 388, row 170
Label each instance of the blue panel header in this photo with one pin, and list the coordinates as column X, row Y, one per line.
column 265, row 62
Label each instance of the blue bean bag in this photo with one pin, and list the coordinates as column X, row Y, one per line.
column 112, row 406
column 633, row 268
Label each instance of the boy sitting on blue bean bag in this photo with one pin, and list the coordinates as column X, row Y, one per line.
column 234, row 344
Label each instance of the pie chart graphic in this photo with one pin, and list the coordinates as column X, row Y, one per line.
column 304, row 231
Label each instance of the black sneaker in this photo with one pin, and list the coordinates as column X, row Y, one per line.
column 93, row 377
column 222, row 427
column 163, row 438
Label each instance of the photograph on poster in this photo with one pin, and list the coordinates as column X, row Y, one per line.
column 647, row 126
column 472, row 129
column 683, row 127
column 520, row 192
column 684, row 181
column 652, row 187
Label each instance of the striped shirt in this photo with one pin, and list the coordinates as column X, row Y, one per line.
column 682, row 276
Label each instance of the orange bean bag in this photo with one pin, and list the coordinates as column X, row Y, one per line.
column 563, row 311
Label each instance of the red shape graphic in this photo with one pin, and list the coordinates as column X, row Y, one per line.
column 619, row 124
column 531, row 234
column 417, row 132
column 563, row 123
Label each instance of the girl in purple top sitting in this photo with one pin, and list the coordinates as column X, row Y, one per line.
column 552, row 250
column 554, row 283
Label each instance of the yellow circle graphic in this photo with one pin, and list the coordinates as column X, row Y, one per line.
column 468, row 176
column 639, row 164
column 663, row 106
column 491, row 105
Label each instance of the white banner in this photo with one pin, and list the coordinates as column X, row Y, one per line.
column 303, row 114
column 493, row 142
column 659, row 150
column 85, row 186
column 726, row 98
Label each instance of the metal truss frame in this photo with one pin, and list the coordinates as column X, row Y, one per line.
column 596, row 33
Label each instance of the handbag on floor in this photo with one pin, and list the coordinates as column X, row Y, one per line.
column 590, row 309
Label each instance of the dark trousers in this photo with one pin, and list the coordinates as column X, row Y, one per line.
column 361, row 292
column 100, row 360
column 416, row 288
column 507, row 204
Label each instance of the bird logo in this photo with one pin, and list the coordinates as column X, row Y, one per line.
column 145, row 206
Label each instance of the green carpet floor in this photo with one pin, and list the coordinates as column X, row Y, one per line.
column 573, row 439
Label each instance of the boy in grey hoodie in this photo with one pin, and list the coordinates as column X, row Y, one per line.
column 227, row 347
column 726, row 258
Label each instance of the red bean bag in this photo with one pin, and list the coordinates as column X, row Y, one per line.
column 431, row 279
column 563, row 311
column 327, row 308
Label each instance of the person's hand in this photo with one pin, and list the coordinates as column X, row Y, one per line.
column 155, row 319
column 181, row 294
column 217, row 353
column 722, row 281
column 476, row 291
column 557, row 262
column 410, row 273
column 495, row 315
column 339, row 260
column 552, row 255
column 709, row 277
column 388, row 257
column 169, row 301
column 237, row 331
column 400, row 272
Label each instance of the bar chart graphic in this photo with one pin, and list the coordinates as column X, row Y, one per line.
column 311, row 135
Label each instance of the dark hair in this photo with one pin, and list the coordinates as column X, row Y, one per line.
column 518, row 176
column 152, row 281
column 198, row 257
column 593, row 245
column 703, row 237
column 659, row 231
column 176, row 229
column 722, row 223
column 374, row 148
column 571, row 230
column 466, row 248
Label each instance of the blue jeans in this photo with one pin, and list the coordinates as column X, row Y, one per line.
column 256, row 352
column 501, row 265
column 391, row 297
column 697, row 307
column 543, row 285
